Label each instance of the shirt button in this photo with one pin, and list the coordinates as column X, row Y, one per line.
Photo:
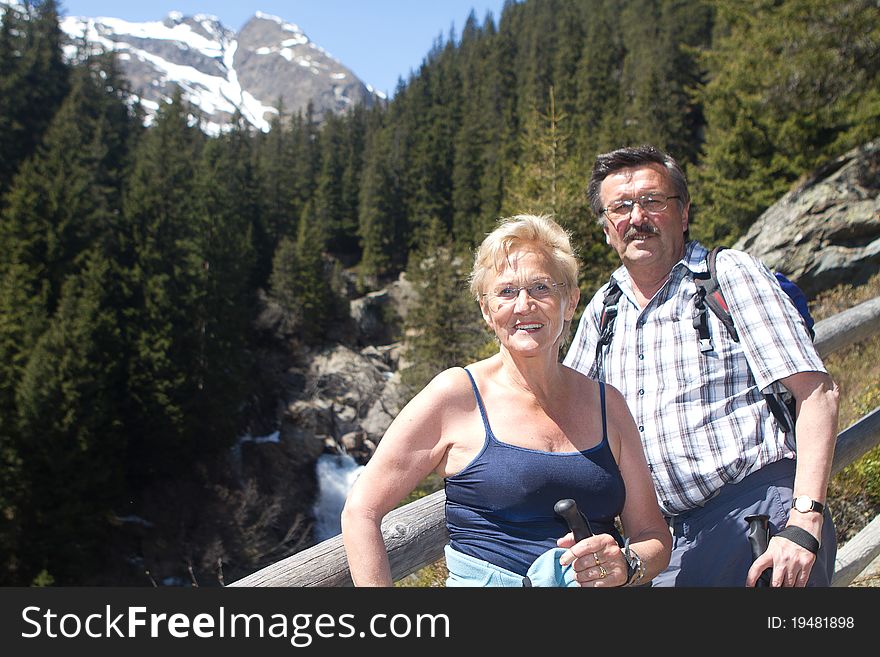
column 641, row 392
column 651, row 467
column 641, row 428
column 641, row 356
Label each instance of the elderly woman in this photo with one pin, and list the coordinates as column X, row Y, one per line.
column 513, row 434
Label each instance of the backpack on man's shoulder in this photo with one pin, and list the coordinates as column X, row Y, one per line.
column 710, row 291
column 710, row 295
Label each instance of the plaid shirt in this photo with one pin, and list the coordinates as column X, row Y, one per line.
column 702, row 417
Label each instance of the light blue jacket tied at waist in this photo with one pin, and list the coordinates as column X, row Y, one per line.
column 465, row 570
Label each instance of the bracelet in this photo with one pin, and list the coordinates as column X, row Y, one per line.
column 635, row 569
column 800, row 537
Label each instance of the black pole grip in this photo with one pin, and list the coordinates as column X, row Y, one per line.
column 759, row 537
column 577, row 523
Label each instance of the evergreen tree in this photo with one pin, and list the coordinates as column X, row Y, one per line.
column 538, row 184
column 228, row 219
column 72, row 442
column 328, row 207
column 305, row 158
column 167, row 282
column 307, row 285
column 68, row 195
column 479, row 124
column 430, row 118
column 595, row 115
column 62, row 210
column 33, row 81
column 789, row 88
column 444, row 327
column 276, row 176
column 381, row 215
column 347, row 246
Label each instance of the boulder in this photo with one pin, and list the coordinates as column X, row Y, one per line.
column 826, row 230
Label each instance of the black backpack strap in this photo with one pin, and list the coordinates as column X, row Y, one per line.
column 606, row 323
column 709, row 295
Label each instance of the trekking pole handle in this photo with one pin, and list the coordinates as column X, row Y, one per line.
column 577, row 523
column 759, row 538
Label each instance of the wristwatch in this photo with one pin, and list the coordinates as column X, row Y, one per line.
column 805, row 504
column 635, row 568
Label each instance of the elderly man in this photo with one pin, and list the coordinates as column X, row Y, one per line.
column 716, row 452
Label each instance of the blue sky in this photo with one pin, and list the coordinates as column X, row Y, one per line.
column 380, row 40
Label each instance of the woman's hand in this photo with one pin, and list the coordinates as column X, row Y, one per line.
column 597, row 561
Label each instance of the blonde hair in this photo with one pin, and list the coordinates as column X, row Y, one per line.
column 527, row 230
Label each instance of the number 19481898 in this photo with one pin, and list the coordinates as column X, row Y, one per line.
column 810, row 622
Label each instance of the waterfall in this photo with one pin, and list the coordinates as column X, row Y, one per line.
column 336, row 473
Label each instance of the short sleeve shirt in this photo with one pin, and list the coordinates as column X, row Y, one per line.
column 701, row 416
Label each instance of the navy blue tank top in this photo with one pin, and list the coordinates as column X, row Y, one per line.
column 499, row 508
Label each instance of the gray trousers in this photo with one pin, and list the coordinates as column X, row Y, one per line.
column 711, row 546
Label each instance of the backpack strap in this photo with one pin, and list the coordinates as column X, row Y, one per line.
column 606, row 322
column 709, row 295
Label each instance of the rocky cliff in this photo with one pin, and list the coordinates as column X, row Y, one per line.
column 269, row 63
column 826, row 230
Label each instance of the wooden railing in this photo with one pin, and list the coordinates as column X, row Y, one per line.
column 415, row 534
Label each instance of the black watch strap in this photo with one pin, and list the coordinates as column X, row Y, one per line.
column 805, row 504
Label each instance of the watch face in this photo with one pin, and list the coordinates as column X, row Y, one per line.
column 804, row 504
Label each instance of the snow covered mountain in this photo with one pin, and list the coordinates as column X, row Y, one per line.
column 269, row 63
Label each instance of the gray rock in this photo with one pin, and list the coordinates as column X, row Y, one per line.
column 825, row 231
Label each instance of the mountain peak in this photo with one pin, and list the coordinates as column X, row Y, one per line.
column 269, row 63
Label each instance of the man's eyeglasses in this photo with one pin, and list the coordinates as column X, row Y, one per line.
column 538, row 290
column 623, row 208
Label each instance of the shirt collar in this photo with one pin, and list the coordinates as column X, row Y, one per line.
column 694, row 257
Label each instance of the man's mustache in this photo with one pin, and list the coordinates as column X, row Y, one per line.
column 644, row 229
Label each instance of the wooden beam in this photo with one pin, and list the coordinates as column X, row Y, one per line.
column 857, row 554
column 856, row 440
column 847, row 327
column 414, row 534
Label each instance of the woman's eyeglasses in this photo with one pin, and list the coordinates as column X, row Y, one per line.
column 538, row 290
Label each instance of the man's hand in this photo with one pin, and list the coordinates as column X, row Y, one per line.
column 790, row 562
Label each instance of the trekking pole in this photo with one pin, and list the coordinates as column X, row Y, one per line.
column 759, row 537
column 577, row 522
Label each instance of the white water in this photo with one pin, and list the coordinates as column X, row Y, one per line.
column 336, row 473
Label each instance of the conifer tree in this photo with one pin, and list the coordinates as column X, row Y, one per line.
column 167, row 279
column 305, row 160
column 63, row 205
column 381, row 214
column 354, row 143
column 596, row 120
column 306, row 283
column 328, row 210
column 789, row 89
column 479, row 124
column 444, row 327
column 72, row 443
column 276, row 176
column 429, row 121
column 538, row 184
column 228, row 219
column 33, row 81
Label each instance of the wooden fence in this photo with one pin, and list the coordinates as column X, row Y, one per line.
column 415, row 534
